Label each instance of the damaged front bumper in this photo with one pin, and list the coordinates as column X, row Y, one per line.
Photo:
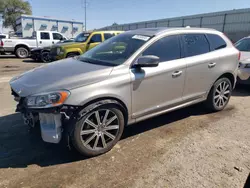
column 52, row 121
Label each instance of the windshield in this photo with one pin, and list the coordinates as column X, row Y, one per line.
column 82, row 37
column 116, row 50
column 243, row 45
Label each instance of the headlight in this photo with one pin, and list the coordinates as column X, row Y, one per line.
column 46, row 100
column 247, row 65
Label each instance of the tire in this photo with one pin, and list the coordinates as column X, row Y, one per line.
column 69, row 55
column 219, row 95
column 22, row 52
column 45, row 56
column 96, row 141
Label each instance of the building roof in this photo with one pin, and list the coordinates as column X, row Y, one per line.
column 48, row 19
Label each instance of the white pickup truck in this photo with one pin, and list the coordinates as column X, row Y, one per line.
column 21, row 46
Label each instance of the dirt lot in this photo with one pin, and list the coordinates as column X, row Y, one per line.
column 185, row 148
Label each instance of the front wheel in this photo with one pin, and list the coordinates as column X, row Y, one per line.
column 98, row 131
column 45, row 56
column 219, row 95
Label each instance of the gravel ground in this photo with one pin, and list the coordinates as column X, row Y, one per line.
column 185, row 148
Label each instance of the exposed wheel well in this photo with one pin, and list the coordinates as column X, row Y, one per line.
column 230, row 76
column 77, row 53
column 23, row 46
column 121, row 105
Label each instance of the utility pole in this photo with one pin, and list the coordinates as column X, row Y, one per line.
column 85, row 12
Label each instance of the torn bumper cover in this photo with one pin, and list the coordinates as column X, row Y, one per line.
column 49, row 119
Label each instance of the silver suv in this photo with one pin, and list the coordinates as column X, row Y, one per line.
column 131, row 77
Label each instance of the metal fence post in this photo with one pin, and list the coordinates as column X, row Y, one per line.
column 201, row 21
column 224, row 23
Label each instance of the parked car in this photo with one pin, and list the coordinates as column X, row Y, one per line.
column 43, row 54
column 244, row 72
column 92, row 97
column 21, row 47
column 82, row 43
column 243, row 46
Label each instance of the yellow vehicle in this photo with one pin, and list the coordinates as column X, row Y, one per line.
column 82, row 43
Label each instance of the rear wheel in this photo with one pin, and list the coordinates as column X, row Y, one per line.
column 219, row 95
column 99, row 130
column 22, row 52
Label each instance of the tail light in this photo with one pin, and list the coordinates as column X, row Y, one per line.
column 239, row 55
column 1, row 43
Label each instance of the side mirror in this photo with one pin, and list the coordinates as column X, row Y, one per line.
column 147, row 61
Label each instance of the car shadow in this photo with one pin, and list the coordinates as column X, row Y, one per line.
column 241, row 91
column 31, row 61
column 20, row 148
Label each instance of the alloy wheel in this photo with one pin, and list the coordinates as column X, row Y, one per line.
column 222, row 94
column 99, row 129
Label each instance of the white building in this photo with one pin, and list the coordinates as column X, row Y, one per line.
column 26, row 24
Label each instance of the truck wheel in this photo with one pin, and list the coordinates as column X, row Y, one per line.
column 22, row 52
column 219, row 95
column 45, row 57
column 98, row 131
column 69, row 55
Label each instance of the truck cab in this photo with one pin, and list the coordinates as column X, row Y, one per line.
column 82, row 43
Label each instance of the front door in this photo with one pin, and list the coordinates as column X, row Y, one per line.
column 45, row 39
column 95, row 39
column 157, row 88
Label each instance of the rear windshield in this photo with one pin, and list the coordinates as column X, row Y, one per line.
column 243, row 45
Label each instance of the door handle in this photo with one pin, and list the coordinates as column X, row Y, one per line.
column 176, row 74
column 41, row 42
column 211, row 65
column 53, row 42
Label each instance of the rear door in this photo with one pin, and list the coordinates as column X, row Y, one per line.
column 203, row 66
column 94, row 40
column 45, row 39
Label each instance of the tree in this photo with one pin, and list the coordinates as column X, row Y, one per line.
column 114, row 24
column 12, row 9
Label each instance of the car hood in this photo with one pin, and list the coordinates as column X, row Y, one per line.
column 71, row 44
column 64, row 74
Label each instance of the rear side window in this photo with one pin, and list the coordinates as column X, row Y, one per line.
column 195, row 44
column 216, row 42
column 45, row 36
column 167, row 48
column 108, row 35
column 2, row 36
column 96, row 38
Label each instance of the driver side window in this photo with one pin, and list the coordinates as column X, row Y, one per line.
column 96, row 38
column 167, row 48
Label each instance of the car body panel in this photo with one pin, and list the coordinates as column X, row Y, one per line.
column 72, row 74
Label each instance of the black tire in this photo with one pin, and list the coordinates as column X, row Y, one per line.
column 77, row 139
column 22, row 52
column 45, row 56
column 72, row 54
column 212, row 102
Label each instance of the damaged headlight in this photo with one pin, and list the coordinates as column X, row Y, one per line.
column 46, row 100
